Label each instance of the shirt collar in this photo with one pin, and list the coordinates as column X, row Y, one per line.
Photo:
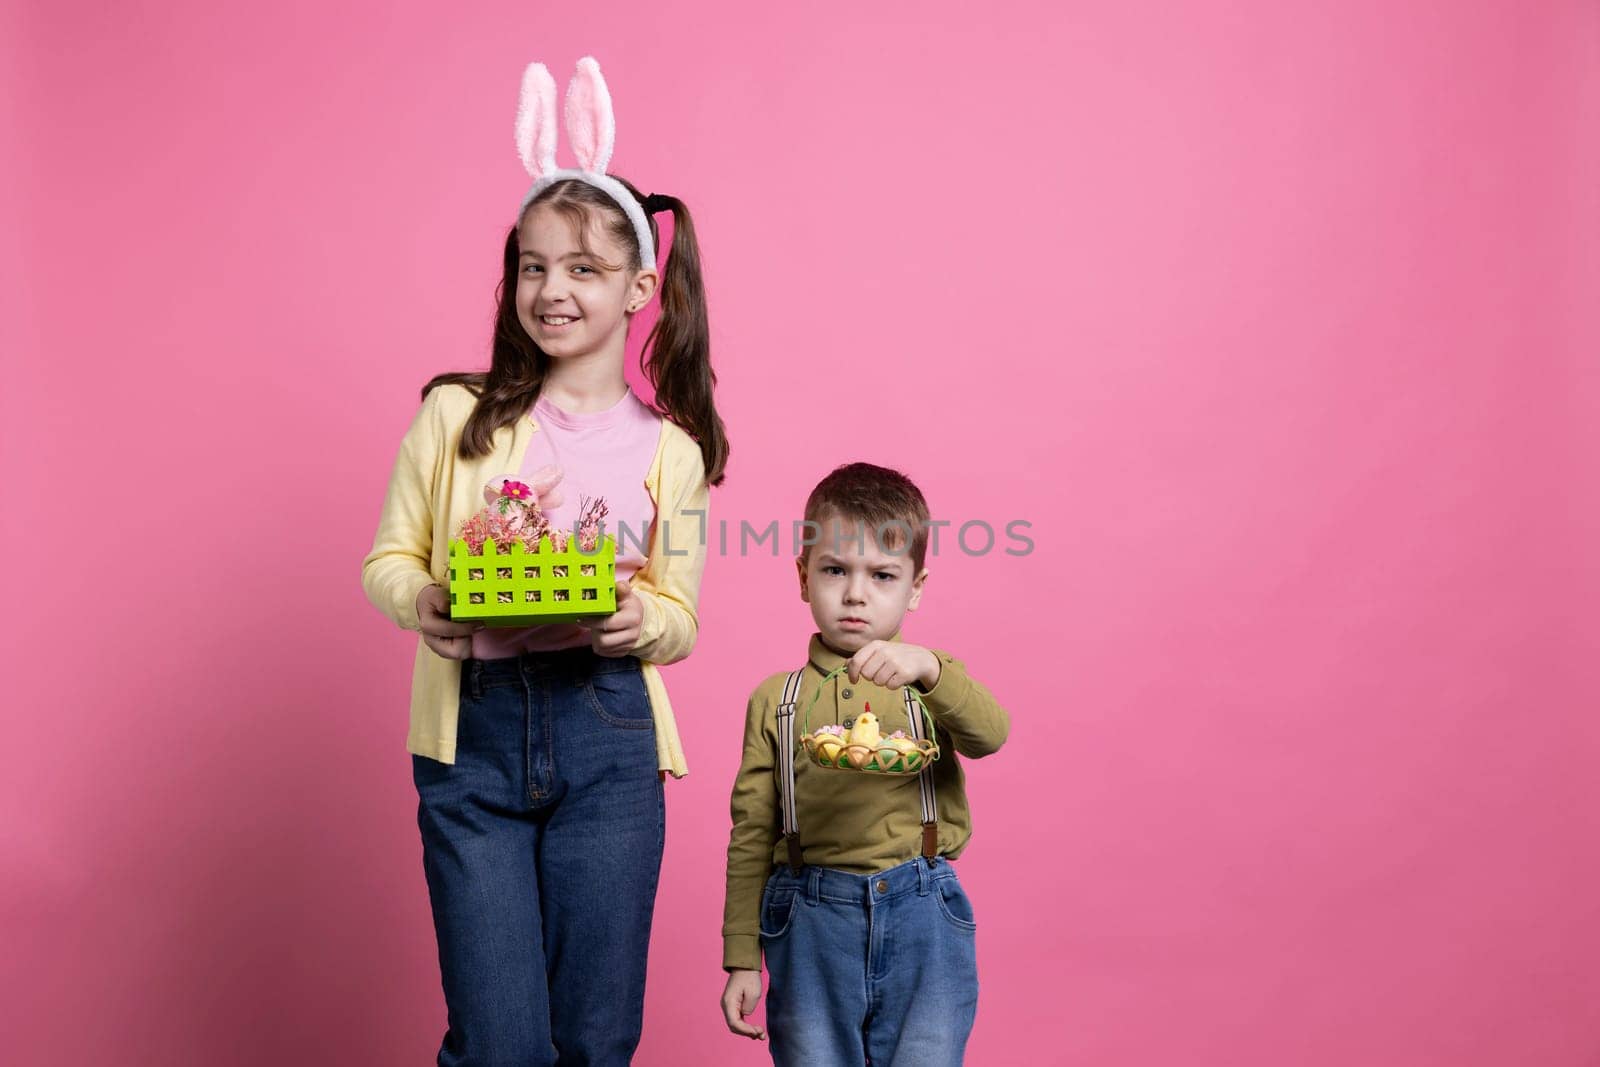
column 546, row 409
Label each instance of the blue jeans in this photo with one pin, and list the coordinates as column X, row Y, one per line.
column 877, row 969
column 542, row 848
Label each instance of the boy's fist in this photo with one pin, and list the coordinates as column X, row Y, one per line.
column 893, row 664
column 739, row 998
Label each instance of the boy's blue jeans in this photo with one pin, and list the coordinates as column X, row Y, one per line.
column 875, row 969
column 542, row 847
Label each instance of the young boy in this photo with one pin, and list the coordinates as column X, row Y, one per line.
column 867, row 935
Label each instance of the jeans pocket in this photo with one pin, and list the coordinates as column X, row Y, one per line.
column 954, row 905
column 777, row 913
column 619, row 698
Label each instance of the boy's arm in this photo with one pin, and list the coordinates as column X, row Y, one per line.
column 965, row 709
column 756, row 829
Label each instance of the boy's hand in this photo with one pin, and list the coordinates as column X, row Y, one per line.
column 739, row 999
column 893, row 664
column 452, row 640
column 615, row 634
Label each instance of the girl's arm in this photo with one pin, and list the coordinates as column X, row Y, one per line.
column 396, row 569
column 668, row 585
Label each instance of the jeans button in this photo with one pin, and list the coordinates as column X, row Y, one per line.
column 882, row 886
column 845, row 694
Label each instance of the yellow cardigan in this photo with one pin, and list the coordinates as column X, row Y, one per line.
column 432, row 490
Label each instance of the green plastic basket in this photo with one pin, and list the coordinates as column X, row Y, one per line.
column 525, row 588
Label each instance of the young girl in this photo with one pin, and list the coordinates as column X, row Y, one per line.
column 539, row 754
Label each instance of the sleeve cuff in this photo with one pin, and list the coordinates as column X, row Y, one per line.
column 406, row 610
column 741, row 952
column 950, row 691
column 649, row 620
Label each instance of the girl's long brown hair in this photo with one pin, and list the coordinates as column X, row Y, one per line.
column 677, row 354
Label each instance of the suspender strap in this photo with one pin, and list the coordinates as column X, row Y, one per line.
column 786, row 747
column 930, row 804
column 786, row 757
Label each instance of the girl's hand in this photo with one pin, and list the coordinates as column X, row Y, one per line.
column 452, row 640
column 739, row 999
column 893, row 664
column 615, row 635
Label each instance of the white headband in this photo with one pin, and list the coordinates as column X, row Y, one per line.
column 592, row 129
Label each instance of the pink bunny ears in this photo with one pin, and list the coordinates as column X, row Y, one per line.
column 592, row 130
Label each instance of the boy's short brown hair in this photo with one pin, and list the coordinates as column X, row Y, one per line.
column 887, row 502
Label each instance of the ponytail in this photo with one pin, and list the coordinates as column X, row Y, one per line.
column 678, row 350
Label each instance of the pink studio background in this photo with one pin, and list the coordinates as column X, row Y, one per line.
column 1276, row 320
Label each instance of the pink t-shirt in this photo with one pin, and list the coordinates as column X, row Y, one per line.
column 600, row 454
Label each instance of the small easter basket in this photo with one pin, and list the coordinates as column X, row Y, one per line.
column 889, row 756
column 526, row 588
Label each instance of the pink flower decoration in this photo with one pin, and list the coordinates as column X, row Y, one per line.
column 515, row 512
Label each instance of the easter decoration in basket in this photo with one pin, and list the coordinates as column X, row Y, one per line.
column 864, row 747
column 511, row 567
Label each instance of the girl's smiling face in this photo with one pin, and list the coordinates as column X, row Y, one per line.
column 575, row 291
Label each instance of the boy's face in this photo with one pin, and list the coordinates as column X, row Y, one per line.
column 858, row 590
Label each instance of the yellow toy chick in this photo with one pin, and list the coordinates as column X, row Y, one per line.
column 863, row 732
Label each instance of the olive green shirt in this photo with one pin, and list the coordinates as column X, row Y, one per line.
column 853, row 821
